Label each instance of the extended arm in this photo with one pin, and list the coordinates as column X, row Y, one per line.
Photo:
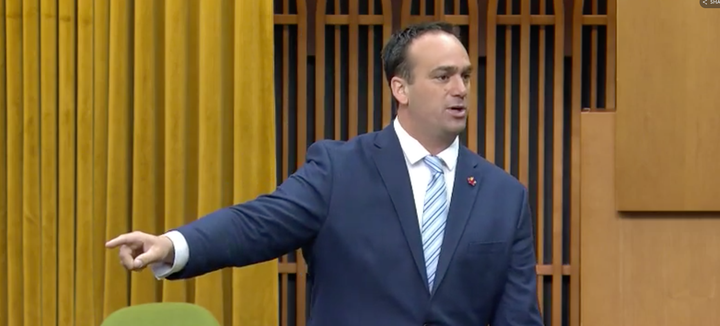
column 261, row 229
column 518, row 305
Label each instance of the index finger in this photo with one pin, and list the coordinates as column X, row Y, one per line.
column 124, row 239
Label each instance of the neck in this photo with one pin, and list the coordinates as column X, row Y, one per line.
column 432, row 143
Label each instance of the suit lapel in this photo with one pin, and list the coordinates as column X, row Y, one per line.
column 389, row 159
column 461, row 204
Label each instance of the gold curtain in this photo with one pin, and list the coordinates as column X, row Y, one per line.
column 128, row 115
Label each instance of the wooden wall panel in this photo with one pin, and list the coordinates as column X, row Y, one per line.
column 601, row 237
column 540, row 63
column 640, row 268
column 667, row 125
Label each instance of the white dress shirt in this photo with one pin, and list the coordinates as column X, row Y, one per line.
column 419, row 174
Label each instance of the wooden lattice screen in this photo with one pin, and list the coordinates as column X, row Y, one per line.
column 539, row 64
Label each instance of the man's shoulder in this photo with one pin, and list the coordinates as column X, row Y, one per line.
column 352, row 146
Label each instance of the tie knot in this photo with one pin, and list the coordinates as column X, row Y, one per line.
column 434, row 163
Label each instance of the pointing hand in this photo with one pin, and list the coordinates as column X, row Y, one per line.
column 138, row 249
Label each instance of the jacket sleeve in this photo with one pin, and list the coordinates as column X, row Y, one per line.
column 264, row 228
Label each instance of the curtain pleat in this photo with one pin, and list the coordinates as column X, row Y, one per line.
column 128, row 115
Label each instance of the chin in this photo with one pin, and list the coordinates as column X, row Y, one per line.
column 456, row 128
column 458, row 124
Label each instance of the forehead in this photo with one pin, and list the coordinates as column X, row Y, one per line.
column 438, row 49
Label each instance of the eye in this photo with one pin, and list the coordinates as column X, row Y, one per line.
column 443, row 77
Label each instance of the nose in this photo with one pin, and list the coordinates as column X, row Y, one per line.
column 459, row 86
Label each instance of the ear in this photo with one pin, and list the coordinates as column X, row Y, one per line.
column 399, row 90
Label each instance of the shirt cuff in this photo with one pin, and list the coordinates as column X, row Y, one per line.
column 182, row 253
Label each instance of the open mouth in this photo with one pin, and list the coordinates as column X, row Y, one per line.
column 457, row 110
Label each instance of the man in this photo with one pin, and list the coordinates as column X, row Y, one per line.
column 401, row 227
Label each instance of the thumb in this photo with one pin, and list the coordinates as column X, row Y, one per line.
column 148, row 257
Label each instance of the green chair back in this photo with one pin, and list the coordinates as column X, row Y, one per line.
column 161, row 314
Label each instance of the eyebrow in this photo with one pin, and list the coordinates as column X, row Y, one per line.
column 452, row 69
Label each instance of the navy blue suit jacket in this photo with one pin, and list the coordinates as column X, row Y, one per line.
column 350, row 208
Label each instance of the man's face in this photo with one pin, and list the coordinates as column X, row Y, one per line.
column 436, row 98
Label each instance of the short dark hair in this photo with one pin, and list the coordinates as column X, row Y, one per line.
column 394, row 53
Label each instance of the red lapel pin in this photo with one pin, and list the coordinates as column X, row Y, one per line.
column 471, row 181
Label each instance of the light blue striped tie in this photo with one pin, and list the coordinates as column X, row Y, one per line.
column 434, row 215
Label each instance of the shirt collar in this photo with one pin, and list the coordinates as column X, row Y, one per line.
column 415, row 152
